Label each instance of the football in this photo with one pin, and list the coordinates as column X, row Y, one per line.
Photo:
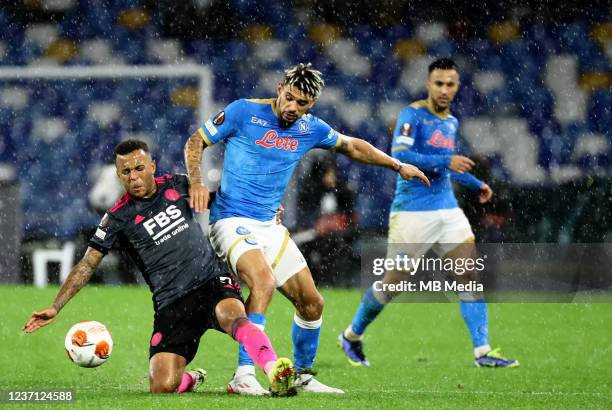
column 88, row 343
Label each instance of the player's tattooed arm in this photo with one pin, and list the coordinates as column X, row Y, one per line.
column 193, row 157
column 364, row 152
column 79, row 276
column 343, row 148
column 198, row 193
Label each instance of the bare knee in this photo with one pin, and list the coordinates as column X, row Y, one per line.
column 165, row 372
column 227, row 311
column 310, row 307
column 164, row 385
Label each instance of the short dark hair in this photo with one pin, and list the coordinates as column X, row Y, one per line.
column 305, row 78
column 127, row 146
column 443, row 64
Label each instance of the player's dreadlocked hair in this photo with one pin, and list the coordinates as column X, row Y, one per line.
column 304, row 78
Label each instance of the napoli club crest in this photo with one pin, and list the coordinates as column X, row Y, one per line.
column 303, row 126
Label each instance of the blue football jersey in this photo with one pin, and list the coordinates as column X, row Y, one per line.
column 260, row 156
column 427, row 141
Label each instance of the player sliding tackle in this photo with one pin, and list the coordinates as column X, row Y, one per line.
column 421, row 219
column 265, row 140
column 191, row 292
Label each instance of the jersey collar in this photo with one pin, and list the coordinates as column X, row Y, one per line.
column 427, row 105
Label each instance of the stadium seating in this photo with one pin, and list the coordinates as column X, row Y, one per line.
column 535, row 98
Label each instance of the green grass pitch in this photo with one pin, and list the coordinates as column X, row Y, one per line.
column 420, row 354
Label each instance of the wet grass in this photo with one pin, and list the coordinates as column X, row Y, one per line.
column 420, row 355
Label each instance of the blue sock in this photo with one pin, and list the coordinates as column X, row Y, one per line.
column 367, row 311
column 305, row 341
column 476, row 319
column 243, row 357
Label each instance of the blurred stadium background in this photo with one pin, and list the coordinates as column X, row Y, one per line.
column 534, row 105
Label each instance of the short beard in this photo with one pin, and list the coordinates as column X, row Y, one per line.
column 439, row 108
column 284, row 123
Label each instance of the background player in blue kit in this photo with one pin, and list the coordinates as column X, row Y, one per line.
column 425, row 135
column 191, row 290
column 265, row 140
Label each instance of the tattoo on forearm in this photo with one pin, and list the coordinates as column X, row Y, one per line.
column 193, row 157
column 78, row 277
column 343, row 147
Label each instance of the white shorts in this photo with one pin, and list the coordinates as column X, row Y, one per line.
column 439, row 230
column 231, row 237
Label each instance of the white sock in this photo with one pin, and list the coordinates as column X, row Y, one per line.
column 482, row 350
column 381, row 297
column 470, row 296
column 352, row 336
column 307, row 324
column 244, row 370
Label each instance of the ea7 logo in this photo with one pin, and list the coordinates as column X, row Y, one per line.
column 259, row 121
column 165, row 220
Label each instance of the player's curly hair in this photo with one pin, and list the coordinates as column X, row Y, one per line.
column 304, row 78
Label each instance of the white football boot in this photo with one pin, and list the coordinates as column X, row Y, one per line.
column 244, row 382
column 305, row 381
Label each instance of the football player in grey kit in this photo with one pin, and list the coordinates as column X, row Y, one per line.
column 191, row 292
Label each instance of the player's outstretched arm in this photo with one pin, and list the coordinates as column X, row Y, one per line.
column 434, row 162
column 362, row 151
column 198, row 193
column 78, row 277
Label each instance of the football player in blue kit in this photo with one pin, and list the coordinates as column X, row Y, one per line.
column 265, row 139
column 430, row 218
